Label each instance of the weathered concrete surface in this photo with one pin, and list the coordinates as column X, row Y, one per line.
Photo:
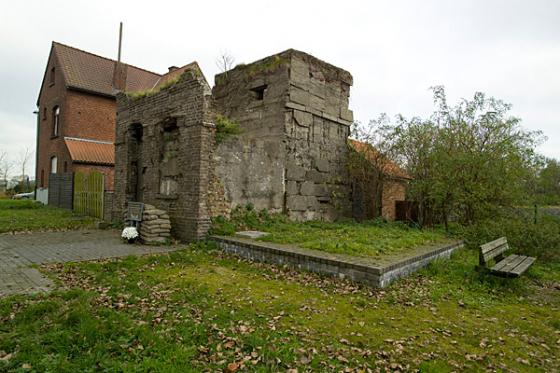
column 19, row 252
column 291, row 156
column 251, row 234
column 371, row 271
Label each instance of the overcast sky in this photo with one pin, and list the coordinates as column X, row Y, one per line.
column 395, row 50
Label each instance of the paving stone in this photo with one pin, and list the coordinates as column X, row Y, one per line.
column 18, row 252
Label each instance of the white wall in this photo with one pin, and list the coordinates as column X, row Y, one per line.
column 42, row 195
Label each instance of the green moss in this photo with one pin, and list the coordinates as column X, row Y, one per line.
column 266, row 66
column 225, row 128
column 150, row 92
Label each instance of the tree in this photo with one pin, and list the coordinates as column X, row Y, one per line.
column 5, row 166
column 225, row 62
column 548, row 182
column 24, row 157
column 466, row 160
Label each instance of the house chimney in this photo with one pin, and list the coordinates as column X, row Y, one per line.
column 119, row 71
column 172, row 68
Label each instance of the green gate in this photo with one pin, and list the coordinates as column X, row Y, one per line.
column 88, row 193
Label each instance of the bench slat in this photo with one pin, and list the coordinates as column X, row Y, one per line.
column 511, row 265
column 523, row 266
column 492, row 249
column 495, row 252
column 493, row 244
column 500, row 266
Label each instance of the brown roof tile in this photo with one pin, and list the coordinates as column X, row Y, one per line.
column 90, row 151
column 391, row 169
column 88, row 71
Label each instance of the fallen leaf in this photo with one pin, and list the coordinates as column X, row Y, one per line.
column 232, row 367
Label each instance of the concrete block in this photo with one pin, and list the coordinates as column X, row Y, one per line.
column 297, row 203
column 346, row 114
column 322, row 165
column 292, row 187
column 315, row 176
column 296, row 173
column 316, row 102
column 299, row 96
column 307, row 188
column 303, row 118
column 321, row 190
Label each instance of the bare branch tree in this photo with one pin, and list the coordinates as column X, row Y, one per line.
column 3, row 158
column 5, row 166
column 225, row 61
column 24, row 157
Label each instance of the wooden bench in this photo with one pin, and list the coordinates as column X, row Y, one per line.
column 510, row 266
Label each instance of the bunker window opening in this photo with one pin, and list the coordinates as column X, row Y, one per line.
column 258, row 92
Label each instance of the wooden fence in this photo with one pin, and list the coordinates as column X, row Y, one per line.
column 60, row 190
column 88, row 193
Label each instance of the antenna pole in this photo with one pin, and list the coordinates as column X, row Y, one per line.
column 120, row 42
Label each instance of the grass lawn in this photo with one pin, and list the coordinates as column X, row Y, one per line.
column 368, row 239
column 197, row 310
column 20, row 215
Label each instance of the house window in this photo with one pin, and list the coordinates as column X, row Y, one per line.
column 52, row 76
column 65, row 167
column 45, row 113
column 258, row 92
column 42, row 178
column 56, row 120
column 54, row 164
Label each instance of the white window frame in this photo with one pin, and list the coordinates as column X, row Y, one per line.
column 54, row 164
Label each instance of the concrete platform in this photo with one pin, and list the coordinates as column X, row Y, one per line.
column 378, row 272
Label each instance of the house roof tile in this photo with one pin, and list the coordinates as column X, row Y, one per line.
column 88, row 71
column 90, row 151
column 390, row 168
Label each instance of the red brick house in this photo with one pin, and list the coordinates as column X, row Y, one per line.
column 77, row 113
column 393, row 189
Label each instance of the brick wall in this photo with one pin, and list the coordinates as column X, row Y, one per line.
column 393, row 190
column 88, row 116
column 82, row 115
column 108, row 171
column 52, row 95
column 164, row 149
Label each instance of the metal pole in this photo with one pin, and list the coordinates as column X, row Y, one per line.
column 120, row 43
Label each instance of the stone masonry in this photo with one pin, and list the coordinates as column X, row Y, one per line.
column 292, row 110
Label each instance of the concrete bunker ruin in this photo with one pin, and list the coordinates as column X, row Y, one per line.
column 290, row 155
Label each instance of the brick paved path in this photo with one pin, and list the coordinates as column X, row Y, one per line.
column 19, row 252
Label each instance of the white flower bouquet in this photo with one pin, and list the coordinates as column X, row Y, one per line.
column 130, row 234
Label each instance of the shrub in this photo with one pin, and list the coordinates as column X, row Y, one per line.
column 541, row 240
column 224, row 128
